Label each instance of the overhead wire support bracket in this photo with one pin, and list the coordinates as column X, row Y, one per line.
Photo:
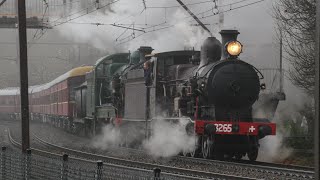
column 131, row 28
column 194, row 17
column 144, row 4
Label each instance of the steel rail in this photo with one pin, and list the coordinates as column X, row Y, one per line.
column 140, row 165
column 258, row 165
column 46, row 153
column 268, row 168
column 126, row 164
column 272, row 168
column 264, row 167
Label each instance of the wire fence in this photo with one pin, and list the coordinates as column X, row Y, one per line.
column 17, row 165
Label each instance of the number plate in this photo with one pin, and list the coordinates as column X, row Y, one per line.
column 223, row 127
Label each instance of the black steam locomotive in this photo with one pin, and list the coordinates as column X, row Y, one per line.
column 213, row 89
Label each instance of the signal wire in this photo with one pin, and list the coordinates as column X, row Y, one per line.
column 170, row 26
column 81, row 15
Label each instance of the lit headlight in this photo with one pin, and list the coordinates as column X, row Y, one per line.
column 234, row 48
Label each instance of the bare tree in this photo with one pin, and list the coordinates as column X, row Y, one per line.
column 296, row 23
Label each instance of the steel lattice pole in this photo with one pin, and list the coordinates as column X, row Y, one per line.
column 23, row 75
column 317, row 59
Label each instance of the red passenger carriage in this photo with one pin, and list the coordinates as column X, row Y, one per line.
column 52, row 102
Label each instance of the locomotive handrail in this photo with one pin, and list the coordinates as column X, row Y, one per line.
column 262, row 77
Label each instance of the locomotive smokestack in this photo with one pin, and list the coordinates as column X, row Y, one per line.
column 144, row 50
column 227, row 36
column 210, row 51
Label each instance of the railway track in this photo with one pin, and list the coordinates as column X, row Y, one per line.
column 272, row 169
column 266, row 165
column 259, row 164
column 122, row 163
column 256, row 169
column 268, row 169
column 295, row 172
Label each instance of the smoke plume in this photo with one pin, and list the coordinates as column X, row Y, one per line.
column 168, row 139
column 109, row 137
column 272, row 148
column 163, row 30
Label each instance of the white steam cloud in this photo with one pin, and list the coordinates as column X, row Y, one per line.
column 168, row 139
column 272, row 149
column 178, row 32
column 109, row 137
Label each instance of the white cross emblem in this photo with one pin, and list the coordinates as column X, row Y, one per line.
column 251, row 129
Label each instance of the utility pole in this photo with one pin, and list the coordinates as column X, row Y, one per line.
column 22, row 24
column 317, row 59
column 281, row 73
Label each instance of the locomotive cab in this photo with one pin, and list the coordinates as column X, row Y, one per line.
column 100, row 97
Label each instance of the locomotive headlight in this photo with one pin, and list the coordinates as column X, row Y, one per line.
column 234, row 48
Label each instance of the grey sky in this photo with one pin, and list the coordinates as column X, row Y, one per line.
column 254, row 23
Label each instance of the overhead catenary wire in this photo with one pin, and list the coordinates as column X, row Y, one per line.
column 194, row 17
column 81, row 15
column 104, row 24
column 177, row 6
column 2, row 2
column 192, row 4
column 145, row 28
column 72, row 2
column 167, row 26
column 231, row 8
column 43, row 31
column 42, row 20
column 144, row 4
column 214, row 14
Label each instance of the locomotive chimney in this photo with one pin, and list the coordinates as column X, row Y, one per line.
column 227, row 36
column 144, row 50
column 210, row 51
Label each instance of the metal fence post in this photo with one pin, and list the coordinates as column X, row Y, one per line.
column 3, row 162
column 157, row 172
column 64, row 168
column 99, row 170
column 27, row 171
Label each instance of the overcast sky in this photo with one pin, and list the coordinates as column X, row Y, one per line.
column 255, row 23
